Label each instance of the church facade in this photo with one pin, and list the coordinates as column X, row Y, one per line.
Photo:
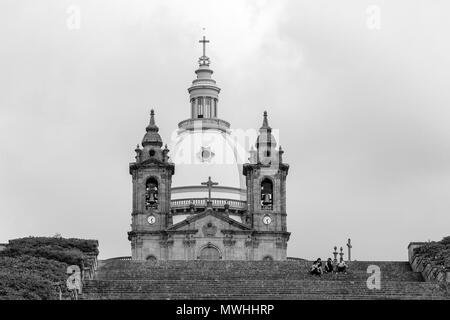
column 202, row 200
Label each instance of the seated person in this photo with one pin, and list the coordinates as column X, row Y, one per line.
column 342, row 266
column 316, row 268
column 329, row 266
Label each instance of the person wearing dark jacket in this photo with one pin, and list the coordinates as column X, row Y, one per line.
column 329, row 266
column 316, row 268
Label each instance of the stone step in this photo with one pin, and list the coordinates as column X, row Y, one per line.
column 257, row 289
column 120, row 279
column 244, row 270
column 248, row 274
column 284, row 266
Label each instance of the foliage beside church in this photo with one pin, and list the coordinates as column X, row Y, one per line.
column 432, row 259
column 34, row 267
column 436, row 253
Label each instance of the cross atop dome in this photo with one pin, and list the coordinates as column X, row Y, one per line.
column 204, row 41
column 204, row 60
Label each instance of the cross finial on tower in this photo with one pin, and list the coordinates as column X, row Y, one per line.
column 349, row 246
column 265, row 124
column 204, row 42
column 152, row 125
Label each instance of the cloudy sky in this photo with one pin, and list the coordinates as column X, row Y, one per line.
column 358, row 89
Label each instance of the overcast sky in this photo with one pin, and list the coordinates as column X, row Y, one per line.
column 362, row 104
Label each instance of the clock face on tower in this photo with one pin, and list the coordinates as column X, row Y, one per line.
column 151, row 219
column 267, row 220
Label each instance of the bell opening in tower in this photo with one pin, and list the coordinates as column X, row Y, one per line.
column 151, row 193
column 267, row 194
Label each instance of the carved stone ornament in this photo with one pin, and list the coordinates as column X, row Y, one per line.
column 209, row 229
column 189, row 240
column 229, row 241
column 205, row 154
column 251, row 242
column 166, row 241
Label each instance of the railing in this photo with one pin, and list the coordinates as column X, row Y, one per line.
column 201, row 202
column 241, row 192
column 118, row 258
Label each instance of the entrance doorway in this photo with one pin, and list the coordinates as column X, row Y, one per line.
column 209, row 253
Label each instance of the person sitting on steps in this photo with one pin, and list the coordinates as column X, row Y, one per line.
column 329, row 266
column 316, row 268
column 342, row 266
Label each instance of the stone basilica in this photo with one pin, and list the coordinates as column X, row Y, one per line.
column 203, row 201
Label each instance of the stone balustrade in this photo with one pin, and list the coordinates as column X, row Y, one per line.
column 185, row 205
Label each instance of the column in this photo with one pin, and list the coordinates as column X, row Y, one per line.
column 208, row 107
column 193, row 113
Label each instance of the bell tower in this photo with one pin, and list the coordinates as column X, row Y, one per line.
column 152, row 178
column 266, row 194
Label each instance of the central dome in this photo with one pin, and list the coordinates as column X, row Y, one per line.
column 202, row 153
column 205, row 148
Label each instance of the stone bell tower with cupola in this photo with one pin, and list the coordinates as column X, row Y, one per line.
column 152, row 178
column 266, row 193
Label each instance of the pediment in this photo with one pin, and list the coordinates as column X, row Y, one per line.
column 209, row 222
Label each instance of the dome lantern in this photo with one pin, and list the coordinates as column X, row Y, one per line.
column 204, row 98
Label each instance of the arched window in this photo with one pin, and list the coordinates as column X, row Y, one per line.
column 268, row 258
column 267, row 194
column 151, row 193
column 151, row 258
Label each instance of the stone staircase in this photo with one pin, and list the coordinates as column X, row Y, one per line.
column 253, row 280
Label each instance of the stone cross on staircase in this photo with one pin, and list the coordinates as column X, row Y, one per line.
column 349, row 246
